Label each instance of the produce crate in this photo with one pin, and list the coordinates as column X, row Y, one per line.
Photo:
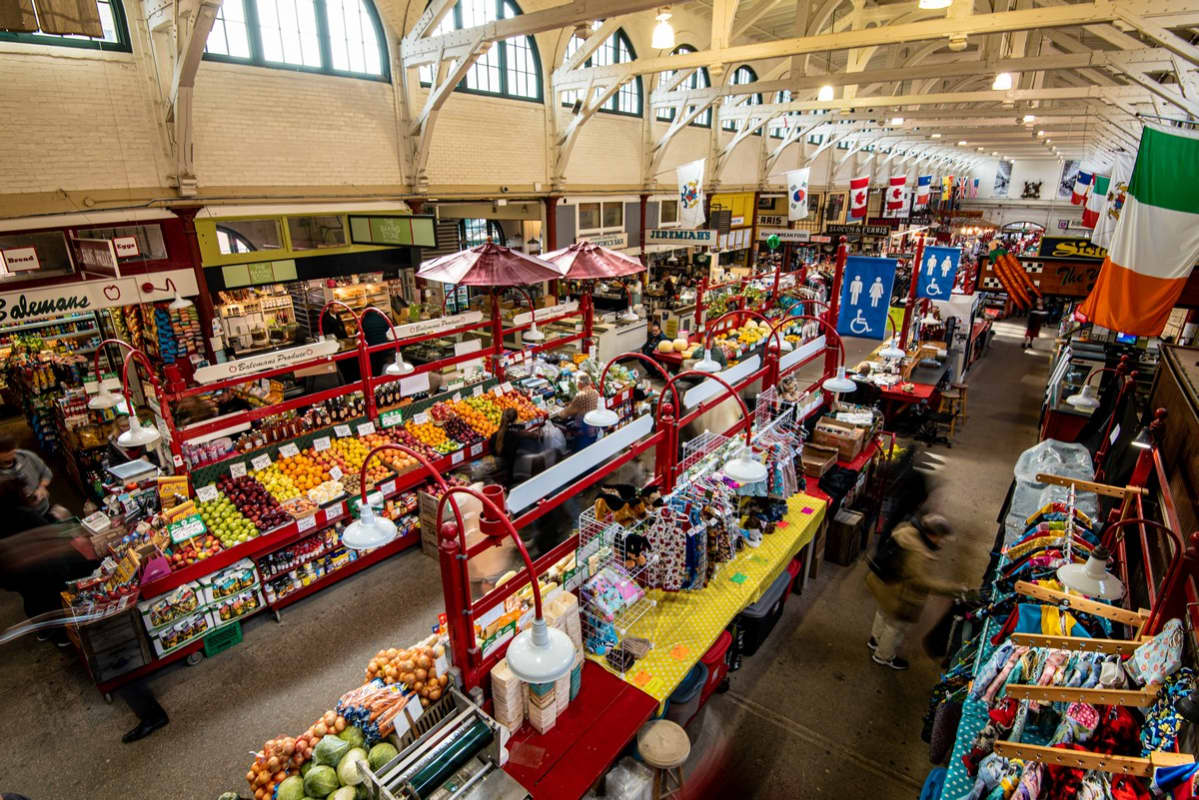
column 847, row 440
column 817, row 459
column 222, row 638
column 844, row 540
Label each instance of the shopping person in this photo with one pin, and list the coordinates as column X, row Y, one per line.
column 28, row 467
column 901, row 579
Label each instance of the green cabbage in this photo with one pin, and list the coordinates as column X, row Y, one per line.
column 354, row 736
column 307, row 765
column 344, row 793
column 291, row 788
column 329, row 750
column 380, row 754
column 321, row 781
column 360, row 792
column 347, row 770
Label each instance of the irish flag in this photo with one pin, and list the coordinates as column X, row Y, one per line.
column 1156, row 241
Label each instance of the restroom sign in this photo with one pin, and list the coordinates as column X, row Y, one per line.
column 866, row 296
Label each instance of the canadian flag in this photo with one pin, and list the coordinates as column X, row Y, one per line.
column 859, row 193
column 895, row 192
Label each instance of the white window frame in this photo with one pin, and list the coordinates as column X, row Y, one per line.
column 661, row 222
column 581, row 231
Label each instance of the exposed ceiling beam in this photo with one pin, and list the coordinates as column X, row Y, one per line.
column 1000, row 22
column 1147, row 58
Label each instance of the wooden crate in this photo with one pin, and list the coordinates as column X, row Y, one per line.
column 846, row 439
column 818, row 459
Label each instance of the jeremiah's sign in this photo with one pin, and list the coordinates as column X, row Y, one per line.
column 682, row 237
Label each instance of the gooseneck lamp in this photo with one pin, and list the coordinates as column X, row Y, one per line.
column 106, row 398
column 138, row 435
column 742, row 468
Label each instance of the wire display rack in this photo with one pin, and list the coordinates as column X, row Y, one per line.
column 617, row 554
column 699, row 449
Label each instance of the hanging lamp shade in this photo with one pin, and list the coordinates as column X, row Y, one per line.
column 138, row 435
column 106, row 398
column 891, row 351
column 744, row 469
column 1087, row 398
column 1092, row 578
column 368, row 531
column 708, row 364
column 586, row 261
column 839, row 384
column 601, row 417
column 540, row 654
column 488, row 265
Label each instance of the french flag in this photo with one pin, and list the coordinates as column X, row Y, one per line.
column 923, row 186
column 895, row 192
column 1082, row 185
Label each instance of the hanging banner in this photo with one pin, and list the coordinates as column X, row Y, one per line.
column 691, row 194
column 1113, row 201
column 865, row 296
column 19, row 259
column 797, row 193
column 938, row 272
column 923, row 185
column 859, row 193
column 95, row 256
column 895, row 195
column 277, row 359
column 437, row 325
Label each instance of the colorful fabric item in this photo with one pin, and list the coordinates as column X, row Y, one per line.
column 1159, row 658
column 1118, row 733
column 990, row 770
column 1162, row 722
column 991, row 669
column 1166, row 779
column 1077, row 724
column 1126, row 787
column 1029, row 787
column 1001, row 679
column 1156, row 241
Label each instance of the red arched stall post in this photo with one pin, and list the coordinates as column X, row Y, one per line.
column 835, row 296
column 671, row 467
column 773, row 348
column 910, row 305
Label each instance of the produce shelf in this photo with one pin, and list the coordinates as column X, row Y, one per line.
column 357, row 565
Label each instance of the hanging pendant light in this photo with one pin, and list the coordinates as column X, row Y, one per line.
column 744, row 469
column 540, row 654
column 825, row 94
column 601, row 417
column 138, row 435
column 1087, row 398
column 892, row 351
column 369, row 530
column 663, row 37
column 532, row 334
column 707, row 364
column 180, row 302
column 1002, row 82
column 105, row 399
column 1092, row 578
column 399, row 366
column 839, row 384
column 933, row 5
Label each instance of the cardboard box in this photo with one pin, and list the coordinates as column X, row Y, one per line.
column 816, row 550
column 846, row 439
column 818, row 459
column 844, row 541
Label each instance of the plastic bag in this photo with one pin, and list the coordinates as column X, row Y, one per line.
column 629, row 780
column 1058, row 458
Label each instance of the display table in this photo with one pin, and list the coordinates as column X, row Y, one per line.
column 610, row 708
column 684, row 624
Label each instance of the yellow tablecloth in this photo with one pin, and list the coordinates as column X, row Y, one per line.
column 683, row 625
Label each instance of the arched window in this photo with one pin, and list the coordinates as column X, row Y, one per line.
column 511, row 68
column 474, row 232
column 781, row 125
column 817, row 138
column 744, row 74
column 698, row 80
column 616, row 50
column 337, row 37
column 114, row 36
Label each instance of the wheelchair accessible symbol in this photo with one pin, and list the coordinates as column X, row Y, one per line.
column 858, row 324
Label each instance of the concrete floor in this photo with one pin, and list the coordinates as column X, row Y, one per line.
column 808, row 714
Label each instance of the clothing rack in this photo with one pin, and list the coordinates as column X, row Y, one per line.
column 1123, row 616
column 1137, row 698
column 1122, row 647
column 1083, row 759
column 1081, row 484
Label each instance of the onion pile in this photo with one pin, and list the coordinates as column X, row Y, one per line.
column 415, row 668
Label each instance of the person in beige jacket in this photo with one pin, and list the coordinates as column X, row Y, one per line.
column 901, row 579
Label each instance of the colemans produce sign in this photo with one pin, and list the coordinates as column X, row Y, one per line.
column 30, row 305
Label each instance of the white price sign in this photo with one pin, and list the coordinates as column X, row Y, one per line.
column 366, row 429
column 421, row 418
column 289, row 450
column 237, row 470
column 456, row 457
column 260, row 462
column 335, row 472
column 497, row 391
column 476, row 450
column 507, row 387
column 457, row 396
column 306, row 523
column 387, row 487
column 321, row 443
column 342, row 431
column 475, row 392
column 206, row 494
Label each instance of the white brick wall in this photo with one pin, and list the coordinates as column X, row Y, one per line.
column 488, row 141
column 73, row 122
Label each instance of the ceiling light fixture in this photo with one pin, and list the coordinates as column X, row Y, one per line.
column 663, row 38
column 825, row 94
column 839, row 384
column 896, row 120
column 1002, row 82
column 1040, row 133
column 933, row 5
column 962, row 143
column 994, row 152
column 1029, row 119
column 935, row 136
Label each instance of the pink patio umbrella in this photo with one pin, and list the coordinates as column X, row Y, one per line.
column 586, row 261
column 488, row 265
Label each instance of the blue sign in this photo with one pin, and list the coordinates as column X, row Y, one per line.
column 865, row 296
column 938, row 271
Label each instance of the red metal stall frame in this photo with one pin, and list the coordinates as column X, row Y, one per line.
column 663, row 438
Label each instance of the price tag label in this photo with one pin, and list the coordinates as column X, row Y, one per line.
column 321, row 443
column 457, row 396
column 389, row 419
column 421, row 418
column 335, row 511
column 306, row 523
column 289, row 450
column 366, row 429
column 342, row 431
column 206, row 494
column 476, row 391
column 497, row 391
column 506, row 386
column 456, row 457
column 260, row 462
column 186, row 528
column 476, row 450
column 388, row 487
column 237, row 470
column 335, row 472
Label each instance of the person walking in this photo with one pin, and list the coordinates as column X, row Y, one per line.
column 28, row 468
column 900, row 578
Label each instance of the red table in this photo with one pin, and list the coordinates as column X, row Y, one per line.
column 895, row 399
column 587, row 738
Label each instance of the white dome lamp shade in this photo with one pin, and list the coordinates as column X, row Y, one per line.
column 399, row 366
column 369, row 530
column 138, row 435
column 707, row 363
column 1087, row 398
column 1092, row 578
column 839, row 384
column 744, row 469
column 532, row 334
column 104, row 399
column 892, row 351
column 180, row 302
column 629, row 315
column 541, row 654
column 601, row 417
